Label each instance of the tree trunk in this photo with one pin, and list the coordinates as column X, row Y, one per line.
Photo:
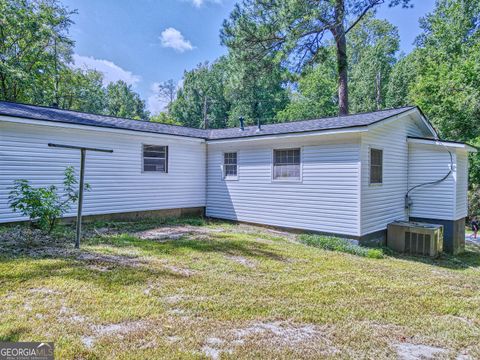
column 342, row 59
column 378, row 85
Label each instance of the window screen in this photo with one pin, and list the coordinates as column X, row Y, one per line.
column 286, row 164
column 230, row 164
column 376, row 166
column 155, row 158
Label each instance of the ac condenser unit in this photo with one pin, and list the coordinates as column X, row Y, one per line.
column 415, row 238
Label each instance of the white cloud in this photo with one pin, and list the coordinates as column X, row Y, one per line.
column 172, row 38
column 199, row 3
column 111, row 71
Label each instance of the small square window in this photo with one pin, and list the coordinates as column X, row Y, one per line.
column 230, row 165
column 286, row 164
column 155, row 158
column 376, row 166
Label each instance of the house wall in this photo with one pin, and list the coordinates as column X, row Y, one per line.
column 429, row 163
column 381, row 204
column 118, row 184
column 327, row 199
column 461, row 206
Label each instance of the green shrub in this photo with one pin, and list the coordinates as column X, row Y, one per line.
column 44, row 205
column 342, row 245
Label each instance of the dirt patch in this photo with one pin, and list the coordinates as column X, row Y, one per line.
column 45, row 291
column 167, row 233
column 407, row 351
column 269, row 334
column 164, row 233
column 180, row 271
column 111, row 259
column 119, row 329
column 68, row 315
column 243, row 261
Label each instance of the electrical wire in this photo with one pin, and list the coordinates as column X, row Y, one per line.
column 431, row 183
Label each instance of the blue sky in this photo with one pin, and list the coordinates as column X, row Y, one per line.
column 148, row 41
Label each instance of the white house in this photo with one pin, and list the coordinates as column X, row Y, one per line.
column 347, row 175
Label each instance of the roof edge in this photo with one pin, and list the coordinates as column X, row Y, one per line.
column 448, row 143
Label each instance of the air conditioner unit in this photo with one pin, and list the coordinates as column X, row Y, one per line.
column 415, row 238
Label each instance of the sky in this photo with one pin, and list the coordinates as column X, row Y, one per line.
column 145, row 42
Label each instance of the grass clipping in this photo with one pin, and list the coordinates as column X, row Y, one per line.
column 341, row 245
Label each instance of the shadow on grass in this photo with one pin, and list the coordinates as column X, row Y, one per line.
column 13, row 335
column 226, row 243
column 468, row 259
column 36, row 256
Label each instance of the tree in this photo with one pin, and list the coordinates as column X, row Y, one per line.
column 372, row 46
column 164, row 118
column 255, row 91
column 167, row 91
column 82, row 90
column 315, row 93
column 33, row 47
column 122, row 101
column 402, row 78
column 448, row 83
column 295, row 31
column 201, row 101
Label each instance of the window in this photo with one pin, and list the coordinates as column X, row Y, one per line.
column 376, row 166
column 230, row 165
column 286, row 164
column 155, row 158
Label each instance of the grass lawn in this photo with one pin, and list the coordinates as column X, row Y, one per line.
column 194, row 289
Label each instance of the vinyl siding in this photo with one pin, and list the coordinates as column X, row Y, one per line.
column 461, row 206
column 384, row 203
column 325, row 200
column 117, row 181
column 429, row 163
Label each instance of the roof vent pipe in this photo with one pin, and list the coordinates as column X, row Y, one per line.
column 259, row 125
column 242, row 125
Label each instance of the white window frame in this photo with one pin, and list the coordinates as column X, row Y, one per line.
column 167, row 160
column 287, row 180
column 229, row 177
column 370, row 148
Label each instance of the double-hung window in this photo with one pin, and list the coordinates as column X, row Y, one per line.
column 230, row 166
column 155, row 158
column 286, row 164
column 376, row 166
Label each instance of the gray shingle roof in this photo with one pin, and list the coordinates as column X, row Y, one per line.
column 330, row 123
column 73, row 117
column 79, row 118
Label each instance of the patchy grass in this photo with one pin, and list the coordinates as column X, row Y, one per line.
column 187, row 288
column 342, row 245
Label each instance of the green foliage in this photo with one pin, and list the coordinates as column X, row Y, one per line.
column 296, row 32
column 226, row 89
column 45, row 205
column 34, row 48
column 203, row 93
column 122, row 101
column 474, row 201
column 401, row 80
column 164, row 118
column 372, row 46
column 448, row 83
column 341, row 245
column 315, row 96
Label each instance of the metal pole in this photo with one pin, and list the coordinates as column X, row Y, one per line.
column 80, row 198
